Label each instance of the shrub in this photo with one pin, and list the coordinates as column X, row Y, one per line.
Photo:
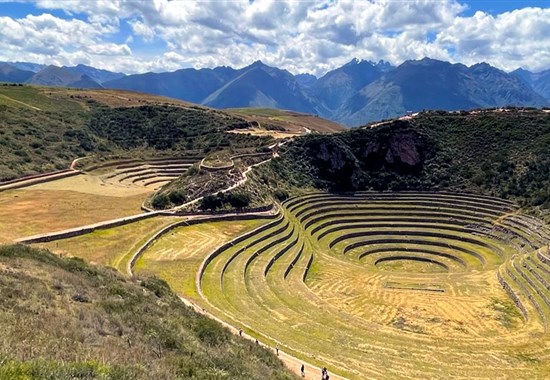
column 280, row 195
column 160, row 201
column 240, row 200
column 177, row 197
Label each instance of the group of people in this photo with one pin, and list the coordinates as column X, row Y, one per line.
column 324, row 373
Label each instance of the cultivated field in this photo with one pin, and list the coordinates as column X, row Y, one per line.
column 382, row 285
column 42, row 208
column 114, row 190
column 112, row 247
column 370, row 285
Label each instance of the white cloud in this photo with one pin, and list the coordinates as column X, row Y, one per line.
column 509, row 40
column 301, row 36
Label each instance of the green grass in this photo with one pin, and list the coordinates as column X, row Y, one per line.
column 38, row 97
column 176, row 257
column 259, row 111
column 78, row 321
column 112, row 247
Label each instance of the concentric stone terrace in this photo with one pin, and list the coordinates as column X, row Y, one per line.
column 151, row 173
column 393, row 285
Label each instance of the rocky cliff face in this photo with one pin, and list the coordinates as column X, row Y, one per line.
column 402, row 147
column 351, row 161
column 397, row 145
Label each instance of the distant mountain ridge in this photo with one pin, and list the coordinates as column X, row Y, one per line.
column 540, row 82
column 430, row 84
column 62, row 76
column 98, row 75
column 12, row 74
column 353, row 94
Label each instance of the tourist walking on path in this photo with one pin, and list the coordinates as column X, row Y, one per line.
column 277, row 349
column 303, row 370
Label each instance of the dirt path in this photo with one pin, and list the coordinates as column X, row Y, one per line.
column 235, row 185
column 20, row 102
column 294, row 364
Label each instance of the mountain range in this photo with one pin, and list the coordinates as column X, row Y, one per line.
column 354, row 94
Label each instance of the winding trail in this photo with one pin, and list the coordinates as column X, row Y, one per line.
column 81, row 230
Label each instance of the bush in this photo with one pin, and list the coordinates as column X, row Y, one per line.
column 220, row 200
column 240, row 200
column 280, row 195
column 177, row 197
column 211, row 202
column 160, row 201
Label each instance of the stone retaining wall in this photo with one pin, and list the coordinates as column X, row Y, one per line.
column 39, row 178
column 294, row 261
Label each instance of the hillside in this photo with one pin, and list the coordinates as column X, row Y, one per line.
column 44, row 129
column 506, row 154
column 285, row 121
column 110, row 327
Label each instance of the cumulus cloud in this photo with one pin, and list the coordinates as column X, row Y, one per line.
column 509, row 40
column 301, row 36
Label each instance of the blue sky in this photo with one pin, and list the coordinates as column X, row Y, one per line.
column 301, row 36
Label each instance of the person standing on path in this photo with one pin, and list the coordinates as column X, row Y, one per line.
column 303, row 370
column 277, row 349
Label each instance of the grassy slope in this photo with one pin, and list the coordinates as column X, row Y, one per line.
column 43, row 129
column 503, row 154
column 64, row 319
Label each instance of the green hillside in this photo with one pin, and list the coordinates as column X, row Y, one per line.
column 44, row 129
column 63, row 319
column 506, row 154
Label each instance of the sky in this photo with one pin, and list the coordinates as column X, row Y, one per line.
column 300, row 36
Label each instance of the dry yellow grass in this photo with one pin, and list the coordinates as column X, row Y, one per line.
column 93, row 184
column 291, row 121
column 112, row 98
column 176, row 257
column 63, row 204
